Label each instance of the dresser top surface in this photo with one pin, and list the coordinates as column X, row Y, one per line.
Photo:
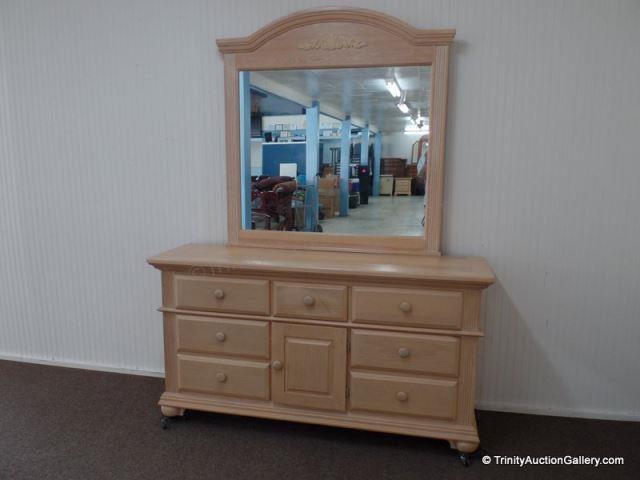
column 466, row 270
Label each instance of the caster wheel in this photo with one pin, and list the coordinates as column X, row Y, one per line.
column 164, row 423
column 464, row 459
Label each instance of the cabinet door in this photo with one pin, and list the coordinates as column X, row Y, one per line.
column 309, row 366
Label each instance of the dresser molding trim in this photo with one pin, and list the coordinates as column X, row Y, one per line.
column 386, row 328
column 442, row 272
column 379, row 423
column 352, row 279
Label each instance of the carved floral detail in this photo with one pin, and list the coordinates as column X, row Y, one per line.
column 332, row 42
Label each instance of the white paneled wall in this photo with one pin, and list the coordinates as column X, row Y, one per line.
column 399, row 144
column 111, row 149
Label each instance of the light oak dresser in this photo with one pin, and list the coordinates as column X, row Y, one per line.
column 371, row 328
column 377, row 342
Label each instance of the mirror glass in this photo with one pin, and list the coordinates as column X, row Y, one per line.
column 338, row 151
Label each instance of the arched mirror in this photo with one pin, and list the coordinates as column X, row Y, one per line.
column 335, row 133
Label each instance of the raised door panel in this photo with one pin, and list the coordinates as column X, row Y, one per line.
column 309, row 366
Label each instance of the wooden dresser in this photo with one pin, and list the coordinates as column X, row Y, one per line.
column 402, row 186
column 376, row 342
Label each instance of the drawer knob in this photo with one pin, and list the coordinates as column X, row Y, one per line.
column 402, row 396
column 219, row 294
column 221, row 337
column 308, row 300
column 276, row 365
column 221, row 377
column 404, row 352
column 405, row 307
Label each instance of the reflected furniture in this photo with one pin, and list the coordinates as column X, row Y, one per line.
column 386, row 184
column 402, row 186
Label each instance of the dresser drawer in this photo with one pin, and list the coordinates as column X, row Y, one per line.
column 412, row 307
column 307, row 300
column 223, row 336
column 404, row 395
column 234, row 295
column 238, row 378
column 437, row 354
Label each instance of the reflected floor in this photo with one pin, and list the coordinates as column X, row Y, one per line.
column 382, row 216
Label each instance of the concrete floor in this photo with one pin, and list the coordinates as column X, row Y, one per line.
column 382, row 216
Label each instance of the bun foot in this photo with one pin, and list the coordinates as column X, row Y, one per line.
column 465, row 447
column 171, row 411
column 167, row 413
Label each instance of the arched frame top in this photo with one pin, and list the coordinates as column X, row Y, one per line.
column 305, row 18
column 339, row 38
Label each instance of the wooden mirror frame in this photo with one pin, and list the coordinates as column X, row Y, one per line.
column 338, row 38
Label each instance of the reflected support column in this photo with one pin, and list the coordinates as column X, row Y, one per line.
column 245, row 149
column 364, row 147
column 312, row 162
column 345, row 152
column 377, row 152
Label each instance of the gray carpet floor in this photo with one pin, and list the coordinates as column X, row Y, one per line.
column 61, row 423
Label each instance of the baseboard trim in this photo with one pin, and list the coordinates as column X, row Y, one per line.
column 481, row 405
column 588, row 414
column 82, row 366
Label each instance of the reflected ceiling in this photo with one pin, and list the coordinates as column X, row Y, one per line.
column 361, row 92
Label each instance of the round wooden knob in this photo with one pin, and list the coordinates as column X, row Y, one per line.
column 404, row 352
column 219, row 294
column 221, row 377
column 221, row 337
column 405, row 307
column 308, row 300
column 276, row 365
column 402, row 396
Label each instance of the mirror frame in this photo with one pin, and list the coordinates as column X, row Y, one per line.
column 338, row 38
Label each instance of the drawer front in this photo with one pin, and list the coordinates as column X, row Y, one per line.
column 412, row 307
column 223, row 336
column 234, row 295
column 404, row 395
column 220, row 376
column 436, row 354
column 326, row 302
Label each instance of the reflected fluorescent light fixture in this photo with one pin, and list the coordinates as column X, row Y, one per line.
column 413, row 129
column 403, row 107
column 393, row 88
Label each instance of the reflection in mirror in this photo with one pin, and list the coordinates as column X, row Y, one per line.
column 340, row 151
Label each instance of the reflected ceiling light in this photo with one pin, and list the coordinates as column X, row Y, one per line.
column 413, row 129
column 393, row 88
column 403, row 107
column 418, row 121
